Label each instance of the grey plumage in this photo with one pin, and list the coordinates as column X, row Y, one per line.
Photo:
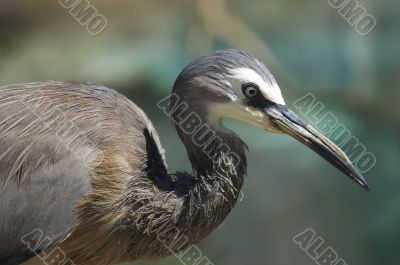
column 51, row 135
column 107, row 124
column 85, row 165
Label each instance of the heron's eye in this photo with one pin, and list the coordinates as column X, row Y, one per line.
column 250, row 90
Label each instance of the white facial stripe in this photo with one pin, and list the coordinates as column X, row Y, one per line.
column 218, row 111
column 270, row 92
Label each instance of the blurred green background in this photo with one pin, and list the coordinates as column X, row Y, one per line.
column 307, row 45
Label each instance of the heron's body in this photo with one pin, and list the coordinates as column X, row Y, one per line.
column 83, row 178
column 75, row 164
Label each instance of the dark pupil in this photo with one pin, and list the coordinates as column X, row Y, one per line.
column 251, row 91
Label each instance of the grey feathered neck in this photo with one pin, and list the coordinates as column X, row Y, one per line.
column 219, row 166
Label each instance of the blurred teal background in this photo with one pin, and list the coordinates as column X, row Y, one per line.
column 307, row 45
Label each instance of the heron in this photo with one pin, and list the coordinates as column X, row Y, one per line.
column 84, row 179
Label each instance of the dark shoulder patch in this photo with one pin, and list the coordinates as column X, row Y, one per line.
column 155, row 167
column 17, row 259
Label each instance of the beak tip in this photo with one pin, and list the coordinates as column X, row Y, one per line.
column 361, row 181
column 366, row 186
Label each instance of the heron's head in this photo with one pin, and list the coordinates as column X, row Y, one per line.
column 234, row 84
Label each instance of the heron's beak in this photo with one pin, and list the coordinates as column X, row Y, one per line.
column 288, row 122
